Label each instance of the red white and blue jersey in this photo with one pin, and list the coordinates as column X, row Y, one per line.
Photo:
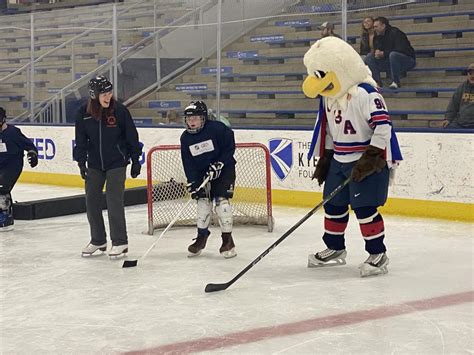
column 348, row 132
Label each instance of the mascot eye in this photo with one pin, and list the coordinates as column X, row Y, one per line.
column 319, row 74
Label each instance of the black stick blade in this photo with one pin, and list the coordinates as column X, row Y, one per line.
column 130, row 263
column 215, row 287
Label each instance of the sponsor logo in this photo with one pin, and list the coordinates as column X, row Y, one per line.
column 281, row 156
column 267, row 39
column 111, row 121
column 213, row 70
column 46, row 148
column 201, row 148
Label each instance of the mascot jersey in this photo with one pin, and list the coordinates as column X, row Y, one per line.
column 348, row 132
column 352, row 113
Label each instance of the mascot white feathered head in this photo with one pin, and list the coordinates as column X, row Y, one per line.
column 334, row 71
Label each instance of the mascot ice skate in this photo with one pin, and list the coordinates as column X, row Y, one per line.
column 353, row 136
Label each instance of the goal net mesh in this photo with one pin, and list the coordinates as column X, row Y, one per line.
column 167, row 194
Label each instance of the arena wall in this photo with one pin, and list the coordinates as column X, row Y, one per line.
column 434, row 180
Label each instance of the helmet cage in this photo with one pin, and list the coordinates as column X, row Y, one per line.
column 196, row 129
column 195, row 108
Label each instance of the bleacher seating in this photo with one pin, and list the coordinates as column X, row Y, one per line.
column 85, row 54
column 262, row 72
column 263, row 69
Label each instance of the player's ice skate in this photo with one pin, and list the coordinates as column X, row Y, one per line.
column 6, row 214
column 6, row 222
column 94, row 250
column 6, row 226
column 227, row 248
column 376, row 264
column 118, row 251
column 198, row 245
column 327, row 257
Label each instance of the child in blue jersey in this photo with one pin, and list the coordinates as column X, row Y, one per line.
column 13, row 144
column 207, row 150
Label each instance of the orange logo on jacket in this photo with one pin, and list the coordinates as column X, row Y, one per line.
column 111, row 121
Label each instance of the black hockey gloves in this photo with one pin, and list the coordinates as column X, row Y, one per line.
column 215, row 170
column 194, row 192
column 83, row 169
column 32, row 157
column 322, row 167
column 370, row 162
column 136, row 168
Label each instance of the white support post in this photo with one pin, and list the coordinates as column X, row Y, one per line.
column 115, row 51
column 344, row 19
column 63, row 105
column 201, row 30
column 242, row 14
column 218, row 52
column 32, row 66
column 73, row 63
column 157, row 44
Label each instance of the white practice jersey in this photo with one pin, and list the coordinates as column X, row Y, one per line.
column 365, row 122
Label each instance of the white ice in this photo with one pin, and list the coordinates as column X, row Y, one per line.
column 54, row 301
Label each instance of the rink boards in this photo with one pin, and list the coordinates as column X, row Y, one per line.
column 434, row 180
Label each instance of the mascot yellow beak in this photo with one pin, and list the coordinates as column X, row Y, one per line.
column 327, row 86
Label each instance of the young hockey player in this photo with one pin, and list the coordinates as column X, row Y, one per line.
column 207, row 150
column 13, row 143
column 353, row 136
column 106, row 141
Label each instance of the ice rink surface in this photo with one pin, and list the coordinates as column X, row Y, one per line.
column 53, row 301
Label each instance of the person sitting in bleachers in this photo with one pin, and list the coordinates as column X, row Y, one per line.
column 327, row 29
column 367, row 36
column 460, row 111
column 393, row 53
column 173, row 118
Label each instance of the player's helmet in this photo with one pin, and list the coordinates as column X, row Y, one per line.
column 195, row 108
column 3, row 115
column 99, row 85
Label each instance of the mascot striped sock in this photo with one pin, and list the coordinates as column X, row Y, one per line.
column 335, row 223
column 372, row 229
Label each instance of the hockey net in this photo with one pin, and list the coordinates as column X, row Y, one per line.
column 167, row 195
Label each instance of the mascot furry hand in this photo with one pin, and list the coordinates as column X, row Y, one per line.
column 351, row 111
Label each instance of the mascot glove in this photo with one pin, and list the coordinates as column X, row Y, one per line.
column 136, row 168
column 370, row 162
column 322, row 167
column 32, row 157
column 83, row 169
column 215, row 170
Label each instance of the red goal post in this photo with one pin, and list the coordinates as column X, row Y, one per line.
column 167, row 195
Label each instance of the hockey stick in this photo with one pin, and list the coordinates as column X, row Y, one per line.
column 220, row 287
column 133, row 263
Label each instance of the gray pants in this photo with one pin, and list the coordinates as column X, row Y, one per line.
column 115, row 206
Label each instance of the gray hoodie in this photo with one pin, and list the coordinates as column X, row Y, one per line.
column 461, row 106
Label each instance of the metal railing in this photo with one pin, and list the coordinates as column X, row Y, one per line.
column 58, row 101
column 29, row 68
column 199, row 24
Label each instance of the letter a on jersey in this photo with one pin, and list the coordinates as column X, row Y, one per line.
column 281, row 156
